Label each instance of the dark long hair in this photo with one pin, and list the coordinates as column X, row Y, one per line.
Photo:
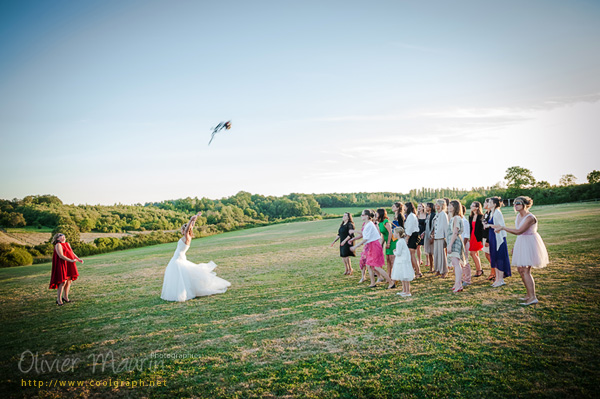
column 497, row 201
column 457, row 208
column 410, row 208
column 477, row 208
column 381, row 215
column 431, row 206
column 399, row 214
column 349, row 218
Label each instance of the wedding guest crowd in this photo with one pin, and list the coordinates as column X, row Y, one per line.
column 449, row 238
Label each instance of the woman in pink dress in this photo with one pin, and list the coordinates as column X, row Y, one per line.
column 529, row 250
column 374, row 257
column 362, row 262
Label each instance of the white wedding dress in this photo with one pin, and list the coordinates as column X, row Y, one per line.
column 185, row 280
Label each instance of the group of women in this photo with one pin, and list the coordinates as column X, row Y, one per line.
column 448, row 238
column 441, row 231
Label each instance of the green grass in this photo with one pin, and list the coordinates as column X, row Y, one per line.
column 293, row 326
column 354, row 210
column 29, row 229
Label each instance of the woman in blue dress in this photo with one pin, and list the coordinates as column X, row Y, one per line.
column 498, row 248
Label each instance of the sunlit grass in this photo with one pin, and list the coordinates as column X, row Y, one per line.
column 292, row 325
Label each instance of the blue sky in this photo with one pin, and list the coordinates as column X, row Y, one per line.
column 113, row 101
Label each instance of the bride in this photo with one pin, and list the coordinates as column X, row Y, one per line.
column 184, row 279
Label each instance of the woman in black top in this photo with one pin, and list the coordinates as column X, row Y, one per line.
column 422, row 219
column 486, row 232
column 345, row 233
column 428, row 238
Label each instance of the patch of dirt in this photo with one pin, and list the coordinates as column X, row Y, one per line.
column 25, row 238
column 40, row 238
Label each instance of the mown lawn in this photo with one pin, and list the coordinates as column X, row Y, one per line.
column 293, row 326
column 354, row 210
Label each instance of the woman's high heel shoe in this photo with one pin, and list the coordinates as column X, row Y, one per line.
column 66, row 301
column 59, row 304
column 535, row 301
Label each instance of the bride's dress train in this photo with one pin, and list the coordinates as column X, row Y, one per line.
column 185, row 280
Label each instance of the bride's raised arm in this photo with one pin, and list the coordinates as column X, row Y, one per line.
column 190, row 225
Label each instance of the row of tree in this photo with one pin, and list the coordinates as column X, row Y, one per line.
column 519, row 181
column 226, row 214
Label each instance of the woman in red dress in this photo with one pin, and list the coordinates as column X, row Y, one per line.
column 64, row 269
column 477, row 234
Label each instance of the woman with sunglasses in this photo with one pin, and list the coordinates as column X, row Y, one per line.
column 529, row 250
column 64, row 268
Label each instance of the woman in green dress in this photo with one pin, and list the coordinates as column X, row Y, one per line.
column 385, row 228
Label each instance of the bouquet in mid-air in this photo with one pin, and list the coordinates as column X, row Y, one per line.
column 218, row 128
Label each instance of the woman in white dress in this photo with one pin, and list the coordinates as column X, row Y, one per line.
column 529, row 250
column 186, row 280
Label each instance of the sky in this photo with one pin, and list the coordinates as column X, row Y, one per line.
column 105, row 101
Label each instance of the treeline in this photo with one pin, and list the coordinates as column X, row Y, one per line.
column 541, row 195
column 545, row 195
column 226, row 214
column 386, row 199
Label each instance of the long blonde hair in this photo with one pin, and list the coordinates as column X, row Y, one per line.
column 442, row 204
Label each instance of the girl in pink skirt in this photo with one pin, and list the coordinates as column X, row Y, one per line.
column 363, row 256
column 529, row 250
column 374, row 258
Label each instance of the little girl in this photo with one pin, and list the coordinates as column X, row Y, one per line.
column 402, row 270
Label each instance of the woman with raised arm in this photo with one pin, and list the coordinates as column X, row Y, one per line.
column 344, row 236
column 529, row 250
column 186, row 280
column 64, row 268
column 498, row 246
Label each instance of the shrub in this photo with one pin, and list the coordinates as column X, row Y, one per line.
column 16, row 257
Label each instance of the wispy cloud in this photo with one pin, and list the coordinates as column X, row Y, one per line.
column 363, row 118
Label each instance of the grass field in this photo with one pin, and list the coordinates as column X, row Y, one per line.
column 356, row 210
column 293, row 326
